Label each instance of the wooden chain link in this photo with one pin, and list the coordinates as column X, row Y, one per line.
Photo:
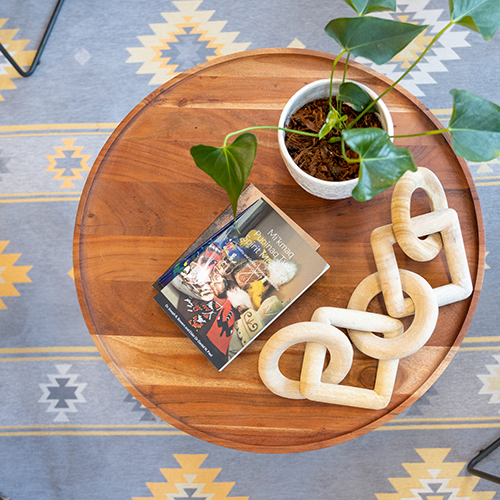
column 441, row 228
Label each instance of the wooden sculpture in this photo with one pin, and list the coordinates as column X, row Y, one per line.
column 442, row 229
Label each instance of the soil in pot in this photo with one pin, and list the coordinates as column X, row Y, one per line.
column 318, row 157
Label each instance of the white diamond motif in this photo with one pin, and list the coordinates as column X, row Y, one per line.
column 435, row 488
column 492, row 382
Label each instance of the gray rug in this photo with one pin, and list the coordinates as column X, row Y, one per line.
column 68, row 428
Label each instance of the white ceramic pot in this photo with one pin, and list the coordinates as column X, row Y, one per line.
column 318, row 90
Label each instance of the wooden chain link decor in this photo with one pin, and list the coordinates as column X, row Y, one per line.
column 441, row 228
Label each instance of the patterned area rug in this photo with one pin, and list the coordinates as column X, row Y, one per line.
column 68, row 428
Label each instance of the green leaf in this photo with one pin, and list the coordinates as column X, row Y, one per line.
column 363, row 7
column 482, row 16
column 354, row 95
column 475, row 127
column 378, row 40
column 382, row 163
column 229, row 166
column 333, row 121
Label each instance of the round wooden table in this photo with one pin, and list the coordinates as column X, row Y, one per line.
column 145, row 202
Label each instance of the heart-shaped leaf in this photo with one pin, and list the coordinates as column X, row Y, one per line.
column 382, row 163
column 363, row 7
column 229, row 166
column 378, row 40
column 482, row 16
column 354, row 95
column 475, row 127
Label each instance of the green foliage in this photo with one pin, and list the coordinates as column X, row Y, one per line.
column 475, row 127
column 382, row 163
column 482, row 16
column 378, row 40
column 229, row 166
column 357, row 97
column 363, row 7
column 333, row 121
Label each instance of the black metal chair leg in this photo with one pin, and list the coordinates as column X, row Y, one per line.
column 38, row 54
column 482, row 454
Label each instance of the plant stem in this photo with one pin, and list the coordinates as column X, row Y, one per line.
column 429, row 132
column 333, row 71
column 310, row 134
column 422, row 55
column 345, row 67
column 346, row 158
column 339, row 103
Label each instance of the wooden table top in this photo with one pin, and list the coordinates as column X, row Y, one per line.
column 145, row 202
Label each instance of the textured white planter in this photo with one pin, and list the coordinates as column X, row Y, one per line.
column 318, row 90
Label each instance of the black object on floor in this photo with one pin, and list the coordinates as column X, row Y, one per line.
column 38, row 54
column 471, row 466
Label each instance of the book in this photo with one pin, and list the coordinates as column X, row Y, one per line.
column 238, row 277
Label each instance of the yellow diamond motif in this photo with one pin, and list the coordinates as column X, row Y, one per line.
column 185, row 29
column 16, row 50
column 10, row 274
column 435, row 479
column 190, row 482
column 186, row 39
column 74, row 153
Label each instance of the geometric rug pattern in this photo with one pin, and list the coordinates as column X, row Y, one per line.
column 62, row 393
column 15, row 47
column 435, row 479
column 190, row 481
column 437, row 60
column 187, row 38
column 491, row 382
column 68, row 167
column 10, row 274
column 68, row 428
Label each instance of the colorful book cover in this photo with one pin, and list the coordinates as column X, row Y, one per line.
column 227, row 289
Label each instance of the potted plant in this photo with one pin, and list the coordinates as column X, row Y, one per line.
column 318, row 165
column 474, row 125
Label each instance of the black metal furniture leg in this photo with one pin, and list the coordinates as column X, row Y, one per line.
column 471, row 466
column 38, row 54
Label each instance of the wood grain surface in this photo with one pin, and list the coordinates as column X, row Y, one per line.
column 145, row 202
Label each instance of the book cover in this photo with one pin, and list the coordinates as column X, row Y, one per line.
column 249, row 196
column 225, row 290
